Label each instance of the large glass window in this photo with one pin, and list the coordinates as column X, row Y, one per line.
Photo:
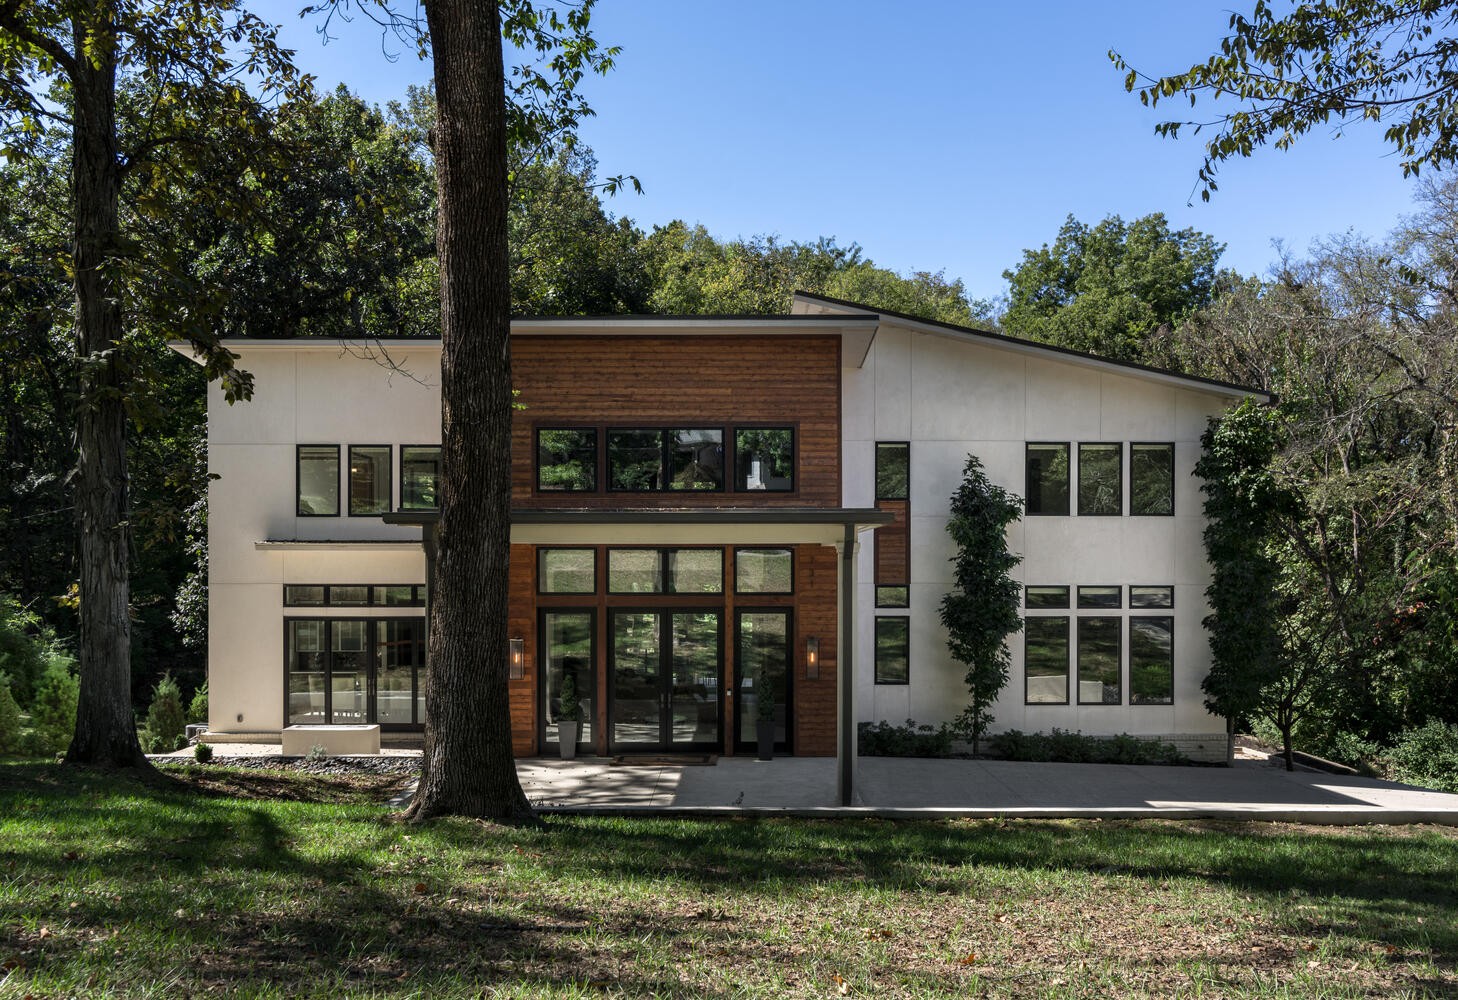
column 764, row 571
column 1099, row 652
column 695, row 571
column 695, row 459
column 764, row 459
column 419, row 477
column 763, row 661
column 635, row 571
column 1047, row 485
column 566, row 571
column 355, row 670
column 567, row 459
column 1151, row 479
column 635, row 460
column 567, row 652
column 1100, row 479
column 893, row 650
column 1151, row 661
column 893, row 470
column 308, row 667
column 318, row 480
column 1045, row 660
column 369, row 479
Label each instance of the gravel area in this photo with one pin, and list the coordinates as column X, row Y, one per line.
column 405, row 764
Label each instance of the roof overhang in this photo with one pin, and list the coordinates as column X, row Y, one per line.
column 709, row 526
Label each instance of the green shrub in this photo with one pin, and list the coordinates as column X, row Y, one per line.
column 1426, row 756
column 25, row 644
column 166, row 721
column 203, row 752
column 9, row 719
column 197, row 709
column 881, row 739
column 53, row 710
column 1063, row 747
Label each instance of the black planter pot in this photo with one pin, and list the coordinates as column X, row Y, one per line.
column 764, row 733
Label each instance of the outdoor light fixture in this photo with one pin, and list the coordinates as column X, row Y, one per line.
column 516, row 658
column 812, row 657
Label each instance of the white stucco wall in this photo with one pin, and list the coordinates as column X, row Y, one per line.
column 314, row 395
column 950, row 397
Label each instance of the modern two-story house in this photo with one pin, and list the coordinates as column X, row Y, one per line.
column 718, row 519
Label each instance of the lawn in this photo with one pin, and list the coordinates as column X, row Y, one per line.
column 278, row 884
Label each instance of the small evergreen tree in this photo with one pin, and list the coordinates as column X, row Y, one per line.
column 166, row 721
column 9, row 718
column 53, row 709
column 982, row 609
column 197, row 709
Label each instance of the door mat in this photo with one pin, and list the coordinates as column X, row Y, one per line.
column 666, row 760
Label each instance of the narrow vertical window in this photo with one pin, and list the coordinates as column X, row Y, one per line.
column 1047, row 482
column 369, row 479
column 1151, row 479
column 318, row 480
column 1100, row 480
column 1045, row 660
column 764, row 459
column 893, row 470
column 893, row 653
column 419, row 477
column 1100, row 647
column 1151, row 661
column 566, row 459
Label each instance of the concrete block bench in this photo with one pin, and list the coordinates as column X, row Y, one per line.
column 337, row 741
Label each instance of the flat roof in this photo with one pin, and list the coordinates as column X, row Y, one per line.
column 705, row 515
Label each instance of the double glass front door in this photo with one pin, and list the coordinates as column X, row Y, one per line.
column 666, row 680
column 356, row 670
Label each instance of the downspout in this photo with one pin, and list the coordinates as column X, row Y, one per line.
column 846, row 745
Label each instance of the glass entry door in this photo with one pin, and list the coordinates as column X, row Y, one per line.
column 762, row 668
column 567, row 651
column 666, row 683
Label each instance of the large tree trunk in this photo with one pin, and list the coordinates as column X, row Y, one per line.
column 106, row 732
column 469, row 769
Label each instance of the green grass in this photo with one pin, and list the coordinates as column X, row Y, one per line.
column 276, row 884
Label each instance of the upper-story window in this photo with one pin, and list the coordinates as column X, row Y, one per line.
column 318, row 480
column 567, row 459
column 369, row 479
column 1151, row 479
column 651, row 460
column 1100, row 479
column 893, row 470
column 1047, row 468
column 764, row 459
column 419, row 477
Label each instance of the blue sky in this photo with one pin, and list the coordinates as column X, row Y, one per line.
column 942, row 135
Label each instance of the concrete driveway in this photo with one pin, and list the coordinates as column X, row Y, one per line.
column 978, row 788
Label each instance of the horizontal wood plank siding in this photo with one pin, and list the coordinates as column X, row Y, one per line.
column 698, row 381
column 893, row 546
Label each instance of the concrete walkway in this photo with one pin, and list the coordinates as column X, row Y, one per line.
column 978, row 788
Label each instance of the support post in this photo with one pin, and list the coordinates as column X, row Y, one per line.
column 845, row 749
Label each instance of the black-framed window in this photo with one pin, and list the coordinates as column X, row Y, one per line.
column 317, row 476
column 1100, row 653
column 355, row 670
column 893, row 650
column 419, row 476
column 1151, row 660
column 665, row 571
column 1045, row 597
column 695, row 458
column 1047, row 478
column 635, row 460
column 566, row 571
column 764, row 459
column 1100, row 598
column 1045, row 659
column 567, row 459
column 898, row 596
column 893, row 470
column 354, row 595
column 764, row 571
column 369, row 479
column 1151, row 480
column 650, row 460
column 1100, row 479
column 1151, row 597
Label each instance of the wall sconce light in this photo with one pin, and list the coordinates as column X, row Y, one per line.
column 516, row 658
column 812, row 657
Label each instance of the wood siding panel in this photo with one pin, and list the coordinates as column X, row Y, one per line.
column 893, row 546
column 816, row 614
column 521, row 618
column 700, row 381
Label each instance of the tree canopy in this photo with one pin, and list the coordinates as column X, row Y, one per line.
column 1332, row 62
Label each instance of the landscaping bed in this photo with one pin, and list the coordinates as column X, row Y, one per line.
column 283, row 882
